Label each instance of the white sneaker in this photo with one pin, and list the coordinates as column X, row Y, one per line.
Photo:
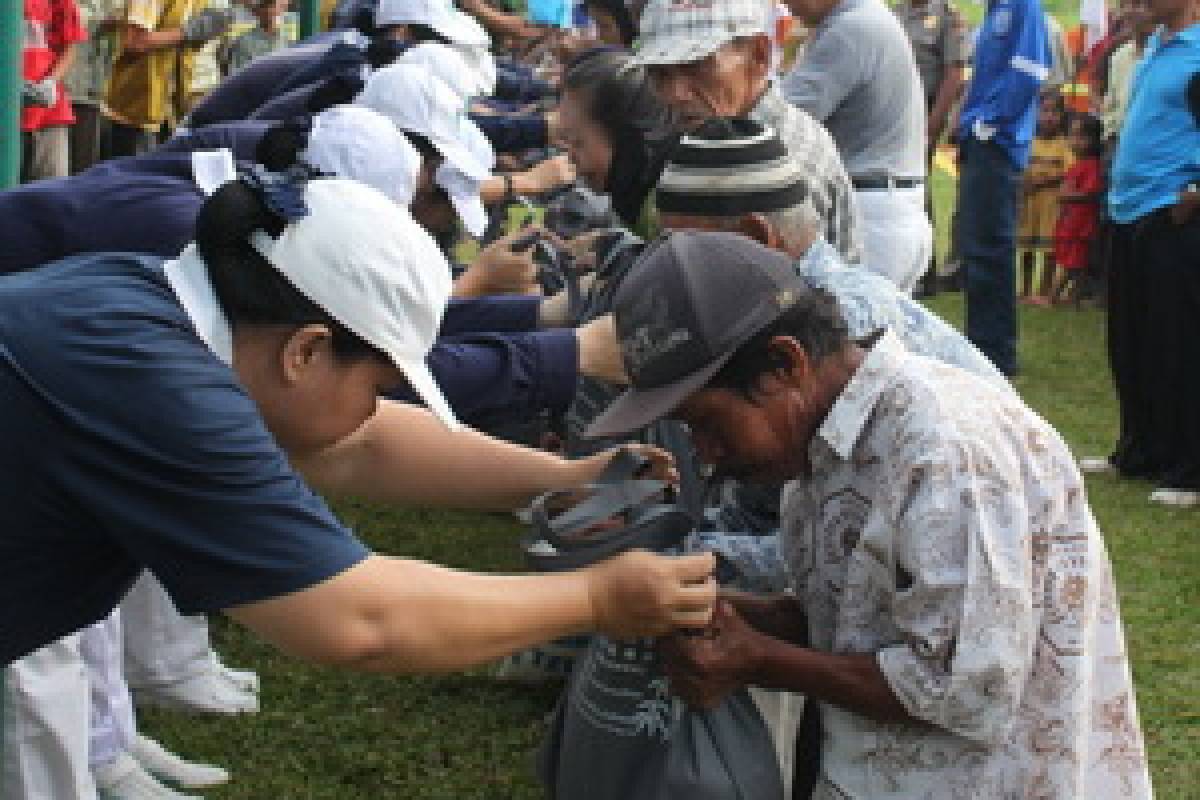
column 1177, row 498
column 123, row 778
column 207, row 693
column 244, row 679
column 1095, row 465
column 162, row 763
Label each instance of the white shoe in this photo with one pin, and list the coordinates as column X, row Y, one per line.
column 243, row 679
column 1178, row 498
column 123, row 778
column 1095, row 465
column 162, row 763
column 210, row 692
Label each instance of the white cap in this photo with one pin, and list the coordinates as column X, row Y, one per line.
column 358, row 143
column 416, row 101
column 366, row 262
column 441, row 15
column 446, row 63
column 682, row 33
column 480, row 60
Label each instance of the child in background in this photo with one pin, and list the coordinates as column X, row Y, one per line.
column 1048, row 162
column 267, row 36
column 1079, row 206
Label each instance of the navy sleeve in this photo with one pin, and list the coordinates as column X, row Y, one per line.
column 511, row 134
column 240, row 137
column 493, row 379
column 501, row 313
column 238, row 95
column 161, row 453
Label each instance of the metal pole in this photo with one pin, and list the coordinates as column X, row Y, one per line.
column 310, row 18
column 12, row 43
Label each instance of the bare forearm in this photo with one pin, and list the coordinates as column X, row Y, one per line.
column 853, row 682
column 63, row 63
column 404, row 455
column 396, row 615
column 947, row 93
column 140, row 40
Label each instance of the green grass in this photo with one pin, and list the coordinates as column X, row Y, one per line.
column 323, row 734
column 328, row 735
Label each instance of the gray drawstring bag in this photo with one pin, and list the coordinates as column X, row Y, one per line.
column 617, row 732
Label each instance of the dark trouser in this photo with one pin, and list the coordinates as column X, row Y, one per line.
column 1168, row 256
column 987, row 214
column 1128, row 348
column 129, row 140
column 86, row 137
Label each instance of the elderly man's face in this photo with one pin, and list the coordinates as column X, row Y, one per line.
column 727, row 83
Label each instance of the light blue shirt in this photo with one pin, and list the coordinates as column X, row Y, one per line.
column 1158, row 151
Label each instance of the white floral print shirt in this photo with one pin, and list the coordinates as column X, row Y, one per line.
column 946, row 529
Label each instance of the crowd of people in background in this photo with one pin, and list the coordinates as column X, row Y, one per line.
column 190, row 165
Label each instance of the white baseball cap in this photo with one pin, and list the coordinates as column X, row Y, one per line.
column 480, row 60
column 440, row 15
column 416, row 101
column 360, row 144
column 446, row 63
column 366, row 262
column 681, row 33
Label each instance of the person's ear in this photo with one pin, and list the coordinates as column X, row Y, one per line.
column 761, row 51
column 305, row 350
column 758, row 228
column 790, row 361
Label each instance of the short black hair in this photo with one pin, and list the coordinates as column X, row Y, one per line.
column 1092, row 128
column 249, row 289
column 815, row 321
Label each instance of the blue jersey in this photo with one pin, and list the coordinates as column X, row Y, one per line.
column 1012, row 60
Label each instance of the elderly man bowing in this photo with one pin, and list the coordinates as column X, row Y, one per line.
column 960, row 633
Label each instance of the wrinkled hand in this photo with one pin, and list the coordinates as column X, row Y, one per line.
column 42, row 94
column 706, row 667
column 780, row 616
column 1185, row 207
column 207, row 25
column 640, row 594
column 600, row 352
column 498, row 269
column 548, row 175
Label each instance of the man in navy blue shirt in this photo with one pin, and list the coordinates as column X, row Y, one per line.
column 996, row 127
column 156, row 418
column 1154, row 293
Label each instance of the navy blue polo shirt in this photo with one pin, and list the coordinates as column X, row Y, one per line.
column 129, row 445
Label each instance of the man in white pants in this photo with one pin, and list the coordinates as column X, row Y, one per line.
column 859, row 77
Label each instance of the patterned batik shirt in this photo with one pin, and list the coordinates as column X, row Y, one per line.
column 945, row 528
column 869, row 303
column 831, row 193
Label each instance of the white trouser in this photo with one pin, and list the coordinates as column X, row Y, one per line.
column 45, row 726
column 897, row 235
column 112, row 726
column 162, row 646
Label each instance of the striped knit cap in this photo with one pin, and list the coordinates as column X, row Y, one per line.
column 727, row 168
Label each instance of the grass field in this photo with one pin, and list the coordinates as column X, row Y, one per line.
column 328, row 735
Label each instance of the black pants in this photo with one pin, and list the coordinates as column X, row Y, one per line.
column 128, row 140
column 1154, row 348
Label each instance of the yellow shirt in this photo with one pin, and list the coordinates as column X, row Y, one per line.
column 1049, row 158
column 150, row 89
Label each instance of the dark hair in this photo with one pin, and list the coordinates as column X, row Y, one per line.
column 383, row 50
column 418, row 33
column 620, row 14
column 281, row 144
column 1092, row 128
column 815, row 321
column 249, row 289
column 620, row 99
